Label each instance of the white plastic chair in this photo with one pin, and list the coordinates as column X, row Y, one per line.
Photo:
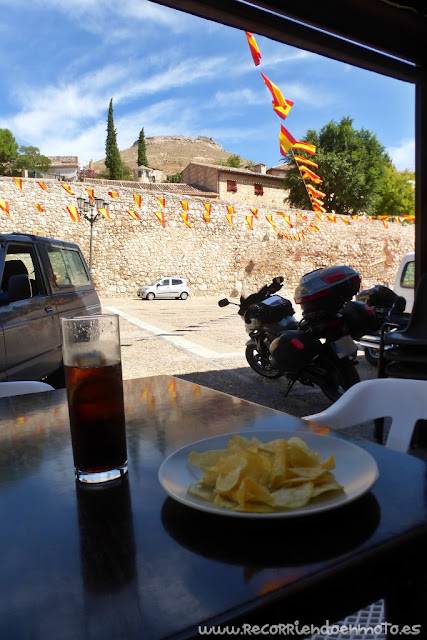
column 22, row 387
column 403, row 400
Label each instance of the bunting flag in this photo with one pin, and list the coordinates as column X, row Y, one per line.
column 279, row 213
column 287, row 141
column 133, row 214
column 91, row 194
column 105, row 213
column 315, row 192
column 161, row 217
column 172, row 390
column 320, row 210
column 319, row 214
column 332, row 218
column 254, row 48
column 184, row 205
column 288, row 220
column 385, row 223
column 255, row 213
column 398, row 220
column 229, row 217
column 305, row 161
column 113, row 194
column 161, row 202
column 313, row 176
column 208, row 208
column 270, row 220
column 38, row 206
column 280, row 105
column 305, row 146
column 184, row 216
column 313, row 226
column 67, row 189
column 320, row 203
column 302, row 217
column 230, row 209
column 207, row 217
column 18, row 182
column 137, row 199
column 5, row 206
column 345, row 220
column 250, row 221
column 42, row 185
column 73, row 211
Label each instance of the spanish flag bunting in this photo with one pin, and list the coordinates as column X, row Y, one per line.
column 138, row 199
column 18, row 182
column 255, row 213
column 133, row 214
column 286, row 140
column 280, row 105
column 67, row 189
column 230, row 209
column 105, row 213
column 332, row 218
column 319, row 216
column 302, row 217
column 208, row 207
column 288, row 220
column 320, row 203
column 398, row 220
column 161, row 202
column 345, row 220
column 314, row 226
column 385, row 223
column 73, row 211
column 42, row 185
column 5, row 206
column 319, row 210
column 371, row 218
column 184, row 216
column 311, row 174
column 184, row 205
column 91, row 194
column 254, row 48
column 229, row 217
column 315, row 192
column 250, row 221
column 38, row 207
column 305, row 146
column 270, row 220
column 305, row 161
column 279, row 213
column 113, row 194
column 207, row 217
column 161, row 217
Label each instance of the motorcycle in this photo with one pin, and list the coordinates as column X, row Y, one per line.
column 317, row 351
column 388, row 307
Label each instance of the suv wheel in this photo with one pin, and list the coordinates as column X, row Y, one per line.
column 150, row 296
column 184, row 295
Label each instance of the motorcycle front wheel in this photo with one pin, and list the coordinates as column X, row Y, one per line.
column 260, row 363
column 340, row 376
column 372, row 355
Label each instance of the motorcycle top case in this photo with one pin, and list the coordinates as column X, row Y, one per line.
column 270, row 310
column 359, row 318
column 327, row 288
column 294, row 349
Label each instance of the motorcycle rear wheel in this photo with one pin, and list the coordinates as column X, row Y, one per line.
column 372, row 355
column 260, row 363
column 341, row 375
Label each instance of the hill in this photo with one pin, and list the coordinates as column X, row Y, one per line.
column 171, row 154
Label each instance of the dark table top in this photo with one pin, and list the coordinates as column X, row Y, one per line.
column 129, row 562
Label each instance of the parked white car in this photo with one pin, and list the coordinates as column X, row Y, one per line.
column 165, row 288
column 405, row 280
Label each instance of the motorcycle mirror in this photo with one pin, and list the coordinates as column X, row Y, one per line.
column 223, row 303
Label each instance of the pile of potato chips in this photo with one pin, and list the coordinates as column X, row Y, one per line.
column 258, row 477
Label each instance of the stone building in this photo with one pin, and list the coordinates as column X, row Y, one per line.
column 257, row 188
column 147, row 175
column 64, row 167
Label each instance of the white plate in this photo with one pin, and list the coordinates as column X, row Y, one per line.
column 355, row 469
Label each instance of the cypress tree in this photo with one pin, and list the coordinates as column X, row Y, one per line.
column 142, row 151
column 113, row 161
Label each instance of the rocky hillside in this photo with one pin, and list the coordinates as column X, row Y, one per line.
column 171, row 154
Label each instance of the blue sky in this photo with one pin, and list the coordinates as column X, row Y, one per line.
column 174, row 74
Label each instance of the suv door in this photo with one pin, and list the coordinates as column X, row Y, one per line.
column 32, row 341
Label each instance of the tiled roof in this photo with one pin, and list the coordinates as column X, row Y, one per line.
column 246, row 172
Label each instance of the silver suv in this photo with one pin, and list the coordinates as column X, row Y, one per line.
column 165, row 288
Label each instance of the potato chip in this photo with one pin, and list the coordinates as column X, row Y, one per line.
column 293, row 497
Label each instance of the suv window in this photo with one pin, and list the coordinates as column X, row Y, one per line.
column 21, row 260
column 408, row 276
column 67, row 266
column 176, row 281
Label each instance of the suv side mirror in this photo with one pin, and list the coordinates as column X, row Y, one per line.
column 19, row 288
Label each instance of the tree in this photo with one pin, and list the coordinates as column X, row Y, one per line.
column 8, row 150
column 142, row 150
column 173, row 177
column 233, row 161
column 30, row 158
column 113, row 160
column 397, row 197
column 351, row 163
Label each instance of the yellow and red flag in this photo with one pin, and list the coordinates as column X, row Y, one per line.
column 250, row 221
column 230, row 209
column 280, row 105
column 345, row 220
column 318, row 202
column 302, row 217
column 385, row 222
column 161, row 202
column 310, row 174
column 42, row 185
column 305, row 146
column 313, row 226
column 254, row 48
column 332, row 218
column 137, row 199
column 286, row 140
column 269, row 219
column 229, row 217
column 288, row 220
column 105, row 213
column 255, row 213
column 184, row 205
column 319, row 210
column 67, row 189
column 315, row 192
column 133, row 214
column 73, row 211
column 18, row 182
column 207, row 217
column 161, row 217
column 91, row 194
column 305, row 161
column 5, row 206
column 208, row 207
column 113, row 194
column 184, row 216
column 38, row 207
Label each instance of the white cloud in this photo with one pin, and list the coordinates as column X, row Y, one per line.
column 403, row 156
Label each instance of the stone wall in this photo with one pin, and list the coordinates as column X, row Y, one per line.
column 214, row 257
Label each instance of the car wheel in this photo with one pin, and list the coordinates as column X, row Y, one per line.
column 184, row 295
column 150, row 296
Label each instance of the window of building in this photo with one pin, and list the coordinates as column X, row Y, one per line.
column 231, row 185
column 258, row 190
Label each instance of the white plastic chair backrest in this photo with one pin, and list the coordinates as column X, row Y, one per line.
column 23, row 387
column 404, row 401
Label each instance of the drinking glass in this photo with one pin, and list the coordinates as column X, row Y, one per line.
column 93, row 376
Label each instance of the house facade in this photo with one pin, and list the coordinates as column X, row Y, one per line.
column 146, row 174
column 256, row 188
column 64, row 167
